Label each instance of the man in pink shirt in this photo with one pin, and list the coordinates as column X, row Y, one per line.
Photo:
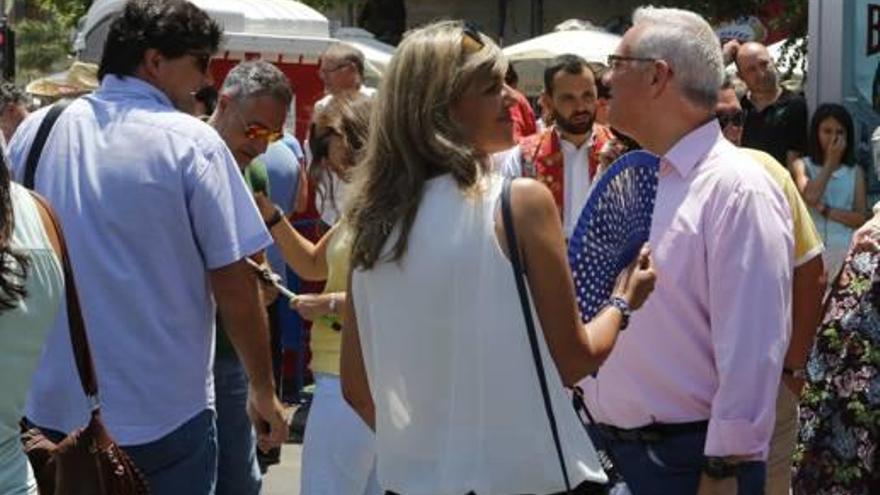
column 686, row 401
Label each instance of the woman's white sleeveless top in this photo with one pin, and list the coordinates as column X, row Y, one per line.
column 458, row 404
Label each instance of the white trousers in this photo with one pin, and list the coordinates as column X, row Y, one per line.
column 339, row 452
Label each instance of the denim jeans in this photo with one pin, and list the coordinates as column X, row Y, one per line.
column 238, row 472
column 672, row 464
column 184, row 461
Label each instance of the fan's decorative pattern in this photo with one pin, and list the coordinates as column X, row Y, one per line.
column 613, row 226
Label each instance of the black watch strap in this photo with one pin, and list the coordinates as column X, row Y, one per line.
column 275, row 218
column 719, row 468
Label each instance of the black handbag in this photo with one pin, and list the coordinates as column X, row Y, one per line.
column 616, row 484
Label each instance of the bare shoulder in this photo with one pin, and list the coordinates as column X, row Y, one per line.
column 531, row 200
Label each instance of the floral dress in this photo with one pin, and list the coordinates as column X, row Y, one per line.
column 840, row 409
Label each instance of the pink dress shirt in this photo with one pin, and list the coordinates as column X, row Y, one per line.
column 709, row 342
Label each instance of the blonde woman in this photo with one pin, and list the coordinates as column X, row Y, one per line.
column 435, row 355
column 338, row 450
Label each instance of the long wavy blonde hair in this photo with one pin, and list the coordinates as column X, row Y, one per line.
column 346, row 116
column 413, row 135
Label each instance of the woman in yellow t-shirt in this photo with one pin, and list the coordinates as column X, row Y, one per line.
column 338, row 448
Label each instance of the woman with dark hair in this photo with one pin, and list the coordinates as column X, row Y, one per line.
column 31, row 288
column 830, row 183
column 435, row 353
column 338, row 448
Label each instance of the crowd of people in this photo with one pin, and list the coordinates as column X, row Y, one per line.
column 737, row 355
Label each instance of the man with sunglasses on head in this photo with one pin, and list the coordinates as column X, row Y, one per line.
column 159, row 222
column 808, row 287
column 251, row 110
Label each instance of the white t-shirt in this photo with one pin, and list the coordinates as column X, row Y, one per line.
column 577, row 182
column 323, row 102
column 577, row 178
column 150, row 200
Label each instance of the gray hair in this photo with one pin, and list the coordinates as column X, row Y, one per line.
column 687, row 42
column 257, row 78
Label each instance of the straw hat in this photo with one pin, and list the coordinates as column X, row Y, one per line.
column 80, row 78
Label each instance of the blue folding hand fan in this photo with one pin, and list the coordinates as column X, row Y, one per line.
column 612, row 228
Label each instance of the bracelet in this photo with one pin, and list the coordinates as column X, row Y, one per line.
column 333, row 303
column 824, row 210
column 622, row 306
column 275, row 218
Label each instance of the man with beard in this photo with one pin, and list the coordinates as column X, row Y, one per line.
column 565, row 156
column 776, row 118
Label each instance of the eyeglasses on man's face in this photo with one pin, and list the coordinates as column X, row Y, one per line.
column 615, row 61
column 330, row 69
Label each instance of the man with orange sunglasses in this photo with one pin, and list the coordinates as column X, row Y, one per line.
column 251, row 110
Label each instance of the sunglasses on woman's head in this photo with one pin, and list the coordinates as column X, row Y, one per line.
column 471, row 41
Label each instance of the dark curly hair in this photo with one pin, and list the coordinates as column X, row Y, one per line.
column 13, row 265
column 173, row 27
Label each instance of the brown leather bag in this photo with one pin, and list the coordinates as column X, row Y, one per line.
column 88, row 461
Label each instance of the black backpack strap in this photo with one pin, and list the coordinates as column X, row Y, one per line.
column 39, row 142
column 518, row 274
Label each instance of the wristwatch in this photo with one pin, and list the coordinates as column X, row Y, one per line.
column 275, row 218
column 622, row 306
column 333, row 303
column 719, row 468
column 824, row 210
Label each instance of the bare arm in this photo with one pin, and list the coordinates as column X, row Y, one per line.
column 240, row 302
column 856, row 217
column 577, row 349
column 791, row 157
column 353, row 374
column 811, row 190
column 808, row 283
column 308, row 260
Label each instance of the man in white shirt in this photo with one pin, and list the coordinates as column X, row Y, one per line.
column 565, row 157
column 342, row 71
column 158, row 222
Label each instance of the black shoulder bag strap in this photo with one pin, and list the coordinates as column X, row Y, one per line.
column 39, row 143
column 518, row 274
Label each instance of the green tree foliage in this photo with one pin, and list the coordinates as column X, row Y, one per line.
column 44, row 35
column 792, row 19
